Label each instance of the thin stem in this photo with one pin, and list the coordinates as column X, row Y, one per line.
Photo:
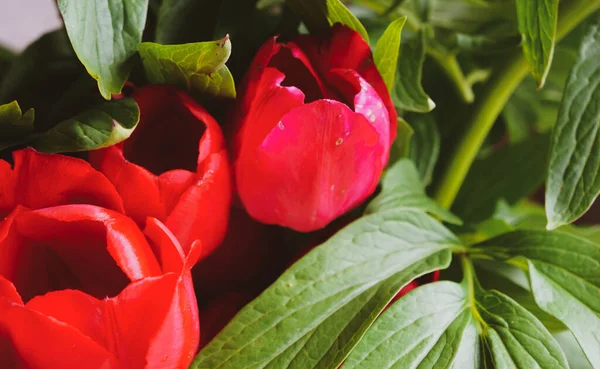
column 489, row 105
column 450, row 66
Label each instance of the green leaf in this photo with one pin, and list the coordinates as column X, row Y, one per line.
column 403, row 189
column 15, row 126
column 408, row 94
column 511, row 173
column 424, row 145
column 320, row 15
column 387, row 51
column 343, row 334
column 514, row 337
column 571, row 348
column 573, row 182
column 105, row 35
column 401, row 145
column 103, row 126
column 198, row 67
column 288, row 317
column 425, row 329
column 182, row 21
column 513, row 282
column 564, row 275
column 49, row 62
column 537, row 24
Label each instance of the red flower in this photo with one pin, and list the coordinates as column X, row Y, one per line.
column 81, row 285
column 174, row 167
column 314, row 128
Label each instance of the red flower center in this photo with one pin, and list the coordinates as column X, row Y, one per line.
column 167, row 138
column 71, row 256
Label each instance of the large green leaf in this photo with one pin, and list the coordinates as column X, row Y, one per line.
column 424, row 144
column 15, row 126
column 103, row 126
column 387, row 51
column 319, row 15
column 403, row 189
column 49, row 63
column 511, row 173
column 537, row 24
column 514, row 337
column 105, row 35
column 322, row 290
column 408, row 94
column 198, row 67
column 425, row 329
column 573, row 182
column 564, row 273
column 183, row 21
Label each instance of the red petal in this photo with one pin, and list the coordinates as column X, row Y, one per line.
column 367, row 102
column 202, row 212
column 165, row 246
column 7, row 189
column 31, row 340
column 163, row 336
column 21, row 263
column 270, row 102
column 172, row 185
column 8, row 292
column 345, row 48
column 320, row 162
column 96, row 245
column 194, row 205
column 138, row 187
column 45, row 180
column 294, row 64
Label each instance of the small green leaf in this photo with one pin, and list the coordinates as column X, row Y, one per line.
column 573, row 182
column 537, row 24
column 324, row 288
column 387, row 51
column 96, row 128
column 511, row 173
column 514, row 337
column 426, row 329
column 198, row 67
column 15, row 126
column 320, row 15
column 403, row 189
column 105, row 35
column 424, row 145
column 564, row 275
column 408, row 94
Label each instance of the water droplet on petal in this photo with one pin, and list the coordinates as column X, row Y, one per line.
column 339, row 141
column 280, row 125
column 379, row 104
column 372, row 118
column 369, row 112
column 332, row 187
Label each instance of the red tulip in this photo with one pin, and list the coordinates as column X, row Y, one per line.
column 81, row 285
column 314, row 128
column 174, row 167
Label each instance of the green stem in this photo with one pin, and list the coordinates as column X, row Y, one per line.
column 472, row 284
column 489, row 105
column 450, row 66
